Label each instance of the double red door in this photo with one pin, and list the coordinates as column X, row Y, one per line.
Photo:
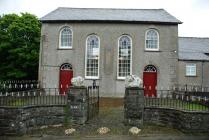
column 150, row 83
column 65, row 80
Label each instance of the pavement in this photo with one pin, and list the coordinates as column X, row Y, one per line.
column 107, row 137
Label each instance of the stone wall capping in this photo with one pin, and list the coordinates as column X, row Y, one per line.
column 185, row 111
column 31, row 106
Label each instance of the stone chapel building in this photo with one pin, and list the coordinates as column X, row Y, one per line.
column 107, row 45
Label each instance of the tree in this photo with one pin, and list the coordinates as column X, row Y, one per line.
column 19, row 46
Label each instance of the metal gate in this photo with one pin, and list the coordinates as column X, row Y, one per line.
column 93, row 103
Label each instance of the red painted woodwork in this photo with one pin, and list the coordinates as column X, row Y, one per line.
column 65, row 80
column 150, row 83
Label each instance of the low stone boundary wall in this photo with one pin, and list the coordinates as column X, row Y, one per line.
column 186, row 121
column 19, row 121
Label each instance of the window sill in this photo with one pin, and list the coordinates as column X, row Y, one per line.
column 191, row 76
column 65, row 49
column 89, row 78
column 152, row 51
column 121, row 79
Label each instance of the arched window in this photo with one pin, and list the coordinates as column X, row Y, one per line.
column 124, row 67
column 152, row 40
column 66, row 37
column 92, row 57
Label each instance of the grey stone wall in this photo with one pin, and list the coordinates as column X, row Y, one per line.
column 22, row 120
column 183, row 120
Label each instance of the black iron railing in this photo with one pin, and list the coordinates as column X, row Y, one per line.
column 178, row 100
column 47, row 96
column 28, row 93
column 20, row 85
column 190, row 88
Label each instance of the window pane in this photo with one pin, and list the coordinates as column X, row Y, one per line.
column 92, row 62
column 152, row 39
column 191, row 70
column 66, row 37
column 124, row 56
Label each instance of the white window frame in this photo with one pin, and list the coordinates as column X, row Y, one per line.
column 123, row 77
column 152, row 49
column 60, row 41
column 86, row 51
column 189, row 71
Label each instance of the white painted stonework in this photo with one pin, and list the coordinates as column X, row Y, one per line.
column 77, row 81
column 133, row 81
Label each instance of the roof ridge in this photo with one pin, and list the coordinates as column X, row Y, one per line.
column 195, row 37
column 109, row 8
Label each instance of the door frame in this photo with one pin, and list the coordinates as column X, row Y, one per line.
column 153, row 70
column 64, row 67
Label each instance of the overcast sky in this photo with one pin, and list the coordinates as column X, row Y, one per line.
column 193, row 13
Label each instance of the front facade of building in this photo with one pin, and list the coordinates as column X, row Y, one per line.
column 107, row 45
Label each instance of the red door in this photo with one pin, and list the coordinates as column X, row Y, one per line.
column 66, row 74
column 150, row 81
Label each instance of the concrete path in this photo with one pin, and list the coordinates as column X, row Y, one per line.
column 121, row 137
column 108, row 137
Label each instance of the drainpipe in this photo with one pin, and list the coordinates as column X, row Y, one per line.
column 202, row 74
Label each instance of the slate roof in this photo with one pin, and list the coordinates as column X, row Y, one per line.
column 107, row 15
column 191, row 48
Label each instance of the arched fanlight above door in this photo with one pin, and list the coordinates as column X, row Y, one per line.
column 150, row 68
column 66, row 66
